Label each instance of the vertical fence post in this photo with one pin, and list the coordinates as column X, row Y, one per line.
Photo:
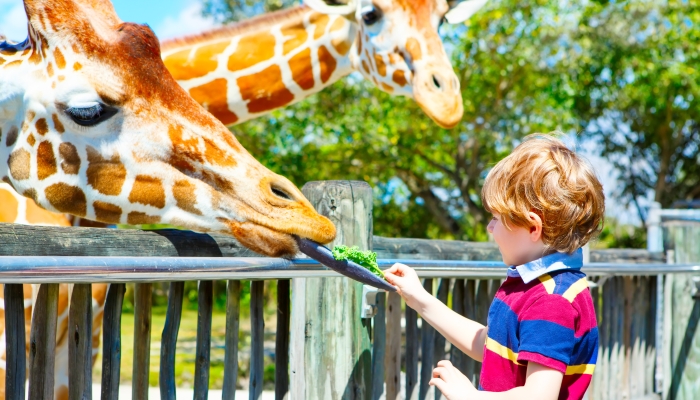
column 392, row 360
column 143, row 294
column 233, row 304
column 427, row 349
column 15, row 342
column 330, row 350
column 411, row 354
column 379, row 347
column 257, row 334
column 42, row 354
column 169, row 340
column 205, row 300
column 80, row 343
column 112, row 341
column 282, row 340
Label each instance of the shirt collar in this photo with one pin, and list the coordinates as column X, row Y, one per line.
column 549, row 263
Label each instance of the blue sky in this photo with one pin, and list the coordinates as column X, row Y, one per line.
column 168, row 18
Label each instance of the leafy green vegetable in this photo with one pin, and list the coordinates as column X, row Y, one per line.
column 367, row 259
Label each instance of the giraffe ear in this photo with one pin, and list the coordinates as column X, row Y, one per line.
column 463, row 10
column 332, row 7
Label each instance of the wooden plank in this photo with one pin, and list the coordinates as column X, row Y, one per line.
column 331, row 337
column 42, row 344
column 143, row 294
column 80, row 343
column 282, row 339
column 392, row 359
column 15, row 342
column 457, row 357
column 205, row 300
column 18, row 240
column 233, row 301
column 470, row 312
column 112, row 342
column 379, row 347
column 257, row 334
column 481, row 310
column 411, row 354
column 169, row 340
column 427, row 350
column 439, row 352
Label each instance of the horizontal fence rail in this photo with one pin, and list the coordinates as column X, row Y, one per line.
column 46, row 269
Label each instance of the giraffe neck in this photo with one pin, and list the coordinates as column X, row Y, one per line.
column 246, row 70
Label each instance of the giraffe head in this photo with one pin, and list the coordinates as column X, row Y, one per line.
column 399, row 49
column 92, row 124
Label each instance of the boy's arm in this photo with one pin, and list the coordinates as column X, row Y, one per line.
column 469, row 336
column 542, row 383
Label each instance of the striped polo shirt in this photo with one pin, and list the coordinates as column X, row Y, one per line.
column 544, row 313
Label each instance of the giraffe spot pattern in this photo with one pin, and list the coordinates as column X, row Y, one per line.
column 70, row 163
column 138, row 218
column 57, row 124
column 107, row 212
column 342, row 46
column 41, row 126
column 297, row 37
column 261, row 99
column 302, row 69
column 31, row 140
column 148, row 190
column 19, row 163
column 387, row 88
column 49, row 69
column 30, row 193
column 321, row 24
column 252, row 50
column 328, row 63
column 77, row 66
column 365, row 67
column 381, row 66
column 399, row 77
column 67, row 199
column 181, row 67
column 184, row 194
column 213, row 97
column 215, row 155
column 45, row 160
column 58, row 57
column 107, row 176
column 413, row 48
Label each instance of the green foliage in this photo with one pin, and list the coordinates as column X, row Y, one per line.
column 367, row 259
column 619, row 236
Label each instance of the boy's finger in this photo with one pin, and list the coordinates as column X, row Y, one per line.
column 438, row 383
column 440, row 372
column 445, row 363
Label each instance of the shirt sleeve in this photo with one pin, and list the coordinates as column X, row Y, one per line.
column 547, row 331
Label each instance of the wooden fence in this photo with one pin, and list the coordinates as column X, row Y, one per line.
column 324, row 350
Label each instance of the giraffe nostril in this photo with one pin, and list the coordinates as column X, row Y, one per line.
column 436, row 82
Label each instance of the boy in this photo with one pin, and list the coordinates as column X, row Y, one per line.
column 541, row 340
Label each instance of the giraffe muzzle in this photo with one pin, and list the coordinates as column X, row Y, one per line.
column 436, row 90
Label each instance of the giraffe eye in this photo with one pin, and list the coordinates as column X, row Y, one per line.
column 370, row 14
column 90, row 115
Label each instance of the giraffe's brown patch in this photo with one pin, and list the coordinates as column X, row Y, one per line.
column 62, row 299
column 365, row 67
column 99, row 294
column 19, row 163
column 148, row 190
column 381, row 66
column 105, row 175
column 265, row 90
column 185, row 197
column 45, row 160
column 328, row 63
column 213, row 97
column 61, row 78
column 338, row 24
column 184, row 150
column 359, row 43
column 302, row 69
column 42, row 127
column 107, row 212
column 49, row 69
column 321, row 24
column 11, row 136
column 413, row 48
column 30, row 194
column 57, row 124
column 204, row 61
column 387, row 88
column 341, row 45
column 252, row 50
column 70, row 160
column 215, row 155
column 35, row 58
column 67, row 199
column 30, row 116
column 2, row 61
column 60, row 60
column 77, row 66
column 15, row 63
column 138, row 218
column 399, row 77
column 296, row 37
column 31, row 140
column 8, row 211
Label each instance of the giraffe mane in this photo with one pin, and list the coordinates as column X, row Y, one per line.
column 250, row 25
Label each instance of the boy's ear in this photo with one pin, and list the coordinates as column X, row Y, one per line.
column 536, row 227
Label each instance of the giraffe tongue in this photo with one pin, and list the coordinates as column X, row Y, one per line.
column 348, row 268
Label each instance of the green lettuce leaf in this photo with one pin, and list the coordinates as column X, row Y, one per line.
column 367, row 259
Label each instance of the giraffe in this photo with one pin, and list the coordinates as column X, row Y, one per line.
column 241, row 71
column 93, row 125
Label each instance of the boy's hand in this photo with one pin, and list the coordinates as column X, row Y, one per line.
column 407, row 284
column 451, row 382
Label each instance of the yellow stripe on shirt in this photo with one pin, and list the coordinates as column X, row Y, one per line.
column 580, row 369
column 573, row 290
column 548, row 283
column 502, row 350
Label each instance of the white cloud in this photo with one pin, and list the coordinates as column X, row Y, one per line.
column 13, row 20
column 188, row 21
